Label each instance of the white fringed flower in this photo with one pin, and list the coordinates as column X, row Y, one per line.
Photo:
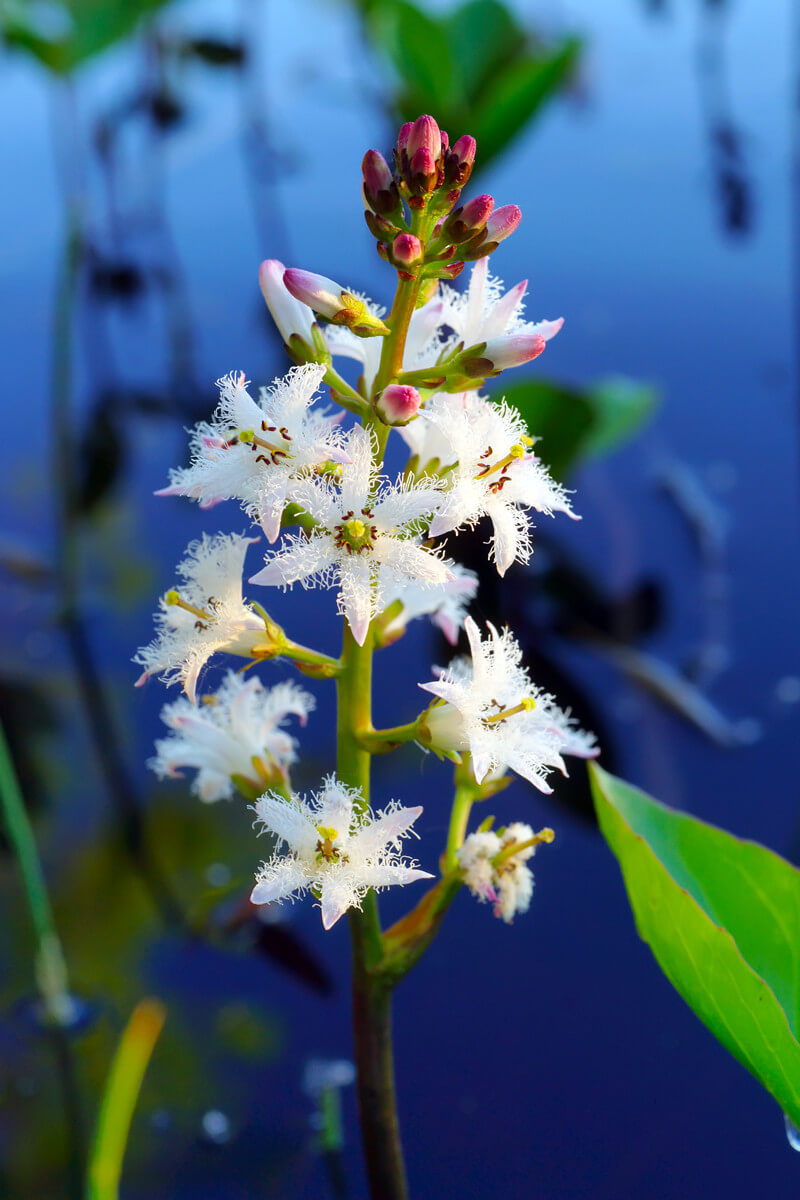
column 490, row 707
column 495, row 475
column 445, row 605
column 427, row 440
column 494, row 867
column 334, row 846
column 422, row 346
column 254, row 452
column 204, row 615
column 239, row 730
column 365, row 540
column 484, row 313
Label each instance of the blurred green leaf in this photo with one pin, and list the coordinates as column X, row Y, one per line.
column 576, row 423
column 62, row 36
column 561, row 418
column 418, row 46
column 517, row 93
column 483, row 38
column 619, row 406
column 475, row 68
column 722, row 917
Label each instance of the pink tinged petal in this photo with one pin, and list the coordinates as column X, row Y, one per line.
column 271, row 524
column 512, row 350
column 388, row 828
column 211, row 502
column 191, row 677
column 547, row 329
column 504, row 309
column 142, row 680
column 503, row 222
column 317, row 291
column 447, row 625
column 286, row 878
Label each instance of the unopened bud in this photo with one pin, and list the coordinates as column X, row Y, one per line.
column 379, row 227
column 503, row 222
column 512, row 350
column 459, row 160
column 398, row 404
column 380, row 189
column 407, row 250
column 403, row 136
column 333, row 302
column 423, row 172
column 464, row 223
column 425, row 135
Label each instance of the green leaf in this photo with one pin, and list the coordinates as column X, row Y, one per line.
column 517, row 93
column 484, row 38
column 74, row 30
column 573, row 423
column 722, row 917
column 561, row 419
column 620, row 407
column 419, row 49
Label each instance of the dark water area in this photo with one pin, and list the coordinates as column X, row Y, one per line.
column 549, row 1059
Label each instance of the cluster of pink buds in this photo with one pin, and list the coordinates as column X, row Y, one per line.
column 439, row 235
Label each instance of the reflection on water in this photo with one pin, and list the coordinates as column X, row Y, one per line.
column 162, row 160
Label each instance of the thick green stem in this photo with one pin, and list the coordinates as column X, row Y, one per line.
column 372, row 1034
column 463, row 800
column 394, row 345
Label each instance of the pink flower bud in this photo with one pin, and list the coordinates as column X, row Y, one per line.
column 317, row 291
column 375, row 170
column 403, row 136
column 425, row 134
column 512, row 350
column 502, row 223
column 407, row 250
column 380, row 190
column 398, row 404
column 464, row 223
column 464, row 150
column 477, row 211
column 459, row 160
column 423, row 165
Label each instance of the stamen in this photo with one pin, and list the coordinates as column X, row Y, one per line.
column 518, row 450
column 544, row 835
column 249, row 436
column 527, row 704
column 175, row 599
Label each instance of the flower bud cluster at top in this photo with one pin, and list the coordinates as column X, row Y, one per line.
column 435, row 234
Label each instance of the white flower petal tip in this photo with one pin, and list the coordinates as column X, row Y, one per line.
column 446, row 604
column 205, row 614
column 254, row 451
column 489, row 705
column 494, row 473
column 330, row 844
column 239, row 731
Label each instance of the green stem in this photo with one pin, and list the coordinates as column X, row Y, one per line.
column 394, row 345
column 463, row 800
column 372, row 1031
column 51, row 970
column 381, row 741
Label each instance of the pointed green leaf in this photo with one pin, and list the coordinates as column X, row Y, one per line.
column 722, row 917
